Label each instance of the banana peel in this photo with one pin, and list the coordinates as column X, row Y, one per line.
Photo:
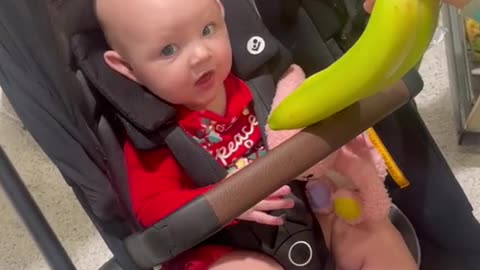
column 397, row 35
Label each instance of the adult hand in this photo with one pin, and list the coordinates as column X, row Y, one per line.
column 368, row 4
column 366, row 246
column 276, row 201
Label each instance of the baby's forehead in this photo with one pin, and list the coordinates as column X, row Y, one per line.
column 138, row 21
column 179, row 15
column 157, row 13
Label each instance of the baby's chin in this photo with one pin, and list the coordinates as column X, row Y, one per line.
column 206, row 101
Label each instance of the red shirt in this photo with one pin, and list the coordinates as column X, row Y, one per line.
column 159, row 186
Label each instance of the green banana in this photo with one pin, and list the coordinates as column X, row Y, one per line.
column 426, row 25
column 395, row 38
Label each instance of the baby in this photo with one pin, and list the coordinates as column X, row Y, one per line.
column 180, row 51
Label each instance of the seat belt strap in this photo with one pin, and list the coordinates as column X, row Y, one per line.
column 200, row 166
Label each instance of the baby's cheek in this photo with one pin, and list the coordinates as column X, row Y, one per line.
column 223, row 52
column 225, row 60
column 173, row 93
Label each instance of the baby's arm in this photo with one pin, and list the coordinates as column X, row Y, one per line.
column 157, row 185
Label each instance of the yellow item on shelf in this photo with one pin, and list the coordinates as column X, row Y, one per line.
column 472, row 33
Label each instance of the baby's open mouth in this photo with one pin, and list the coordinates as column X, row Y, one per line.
column 205, row 78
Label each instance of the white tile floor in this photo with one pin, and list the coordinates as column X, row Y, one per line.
column 17, row 251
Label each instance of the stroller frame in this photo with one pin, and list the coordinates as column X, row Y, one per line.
column 32, row 216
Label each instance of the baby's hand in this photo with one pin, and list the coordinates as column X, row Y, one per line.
column 276, row 201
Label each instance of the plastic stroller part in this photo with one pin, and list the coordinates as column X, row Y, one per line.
column 32, row 217
column 42, row 233
column 111, row 265
column 406, row 229
column 181, row 231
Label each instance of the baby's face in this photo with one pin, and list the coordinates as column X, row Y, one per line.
column 179, row 50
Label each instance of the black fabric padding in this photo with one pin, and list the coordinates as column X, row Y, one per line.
column 243, row 24
column 46, row 96
column 300, row 37
column 134, row 102
column 75, row 16
column 325, row 17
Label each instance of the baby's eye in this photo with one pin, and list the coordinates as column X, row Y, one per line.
column 169, row 50
column 208, row 30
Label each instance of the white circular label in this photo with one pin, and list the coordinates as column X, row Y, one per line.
column 256, row 45
column 310, row 256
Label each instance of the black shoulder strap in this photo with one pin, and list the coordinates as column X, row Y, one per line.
column 199, row 165
column 263, row 89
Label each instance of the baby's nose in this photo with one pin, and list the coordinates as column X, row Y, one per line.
column 200, row 54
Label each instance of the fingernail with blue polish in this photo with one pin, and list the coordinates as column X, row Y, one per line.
column 319, row 195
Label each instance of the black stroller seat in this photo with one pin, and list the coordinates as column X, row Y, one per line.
column 68, row 105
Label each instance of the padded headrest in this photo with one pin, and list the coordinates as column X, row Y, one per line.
column 133, row 101
column 138, row 105
column 75, row 16
column 244, row 24
column 246, row 27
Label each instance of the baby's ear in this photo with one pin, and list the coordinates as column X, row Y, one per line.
column 115, row 61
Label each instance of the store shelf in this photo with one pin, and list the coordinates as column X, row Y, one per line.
column 464, row 86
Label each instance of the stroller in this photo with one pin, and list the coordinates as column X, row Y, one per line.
column 59, row 89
